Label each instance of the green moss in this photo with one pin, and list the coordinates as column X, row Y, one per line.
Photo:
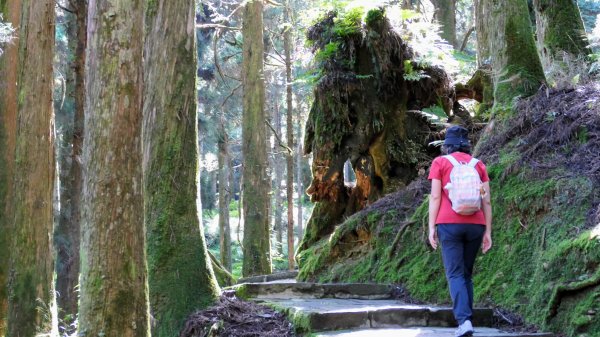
column 375, row 18
column 563, row 28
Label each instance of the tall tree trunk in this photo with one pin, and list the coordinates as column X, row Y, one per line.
column 560, row 30
column 516, row 66
column 68, row 227
column 482, row 14
column 114, row 288
column 31, row 285
column 257, row 245
column 287, row 45
column 300, row 187
column 445, row 14
column 225, row 188
column 11, row 11
column 278, row 170
column 180, row 274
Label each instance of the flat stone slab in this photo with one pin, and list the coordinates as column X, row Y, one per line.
column 288, row 276
column 340, row 314
column 425, row 332
column 286, row 290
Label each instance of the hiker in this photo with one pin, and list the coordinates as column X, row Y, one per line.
column 460, row 208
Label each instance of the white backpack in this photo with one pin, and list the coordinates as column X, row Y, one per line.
column 464, row 187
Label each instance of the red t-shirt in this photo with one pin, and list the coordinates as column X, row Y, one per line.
column 440, row 169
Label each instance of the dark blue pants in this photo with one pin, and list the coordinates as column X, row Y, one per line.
column 460, row 244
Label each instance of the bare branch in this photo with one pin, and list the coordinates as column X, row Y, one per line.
column 230, row 95
column 64, row 8
column 216, row 25
column 290, row 152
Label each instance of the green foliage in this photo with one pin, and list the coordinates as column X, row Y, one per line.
column 412, row 74
column 328, row 52
column 349, row 23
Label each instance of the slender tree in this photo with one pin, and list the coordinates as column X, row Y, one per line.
column 287, row 45
column 278, row 169
column 113, row 289
column 11, row 11
column 225, row 185
column 445, row 14
column 560, row 31
column 516, row 66
column 68, row 224
column 31, row 286
column 180, row 275
column 256, row 183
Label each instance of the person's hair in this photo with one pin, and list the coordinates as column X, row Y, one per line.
column 464, row 148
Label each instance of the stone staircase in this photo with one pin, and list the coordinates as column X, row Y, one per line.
column 361, row 310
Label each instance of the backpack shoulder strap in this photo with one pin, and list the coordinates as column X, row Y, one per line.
column 473, row 162
column 452, row 160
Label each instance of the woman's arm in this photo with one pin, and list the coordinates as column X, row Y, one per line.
column 435, row 199
column 487, row 213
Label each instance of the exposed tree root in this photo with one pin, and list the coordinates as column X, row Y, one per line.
column 568, row 289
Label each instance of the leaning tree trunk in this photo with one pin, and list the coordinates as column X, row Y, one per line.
column 11, row 11
column 287, row 45
column 180, row 274
column 114, row 288
column 257, row 245
column 31, row 285
column 561, row 35
column 225, row 187
column 445, row 14
column 68, row 226
column 516, row 66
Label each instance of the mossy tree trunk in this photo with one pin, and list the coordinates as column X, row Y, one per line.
column 256, row 185
column 364, row 112
column 225, row 187
column 68, row 226
column 287, row 45
column 114, row 288
column 516, row 66
column 299, row 184
column 11, row 11
column 180, row 273
column 445, row 14
column 560, row 31
column 31, row 286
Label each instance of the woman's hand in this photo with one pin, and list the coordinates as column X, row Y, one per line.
column 487, row 242
column 433, row 240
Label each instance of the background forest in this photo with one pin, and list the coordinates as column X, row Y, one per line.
column 263, row 136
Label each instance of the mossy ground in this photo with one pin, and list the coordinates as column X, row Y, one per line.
column 545, row 197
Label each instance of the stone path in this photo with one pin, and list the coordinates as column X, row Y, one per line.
column 360, row 310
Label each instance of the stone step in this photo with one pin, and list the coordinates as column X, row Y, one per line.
column 310, row 315
column 284, row 290
column 424, row 332
column 287, row 275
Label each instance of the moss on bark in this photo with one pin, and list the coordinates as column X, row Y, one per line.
column 364, row 112
column 515, row 62
column 114, row 284
column 560, row 30
column 31, row 289
column 180, row 275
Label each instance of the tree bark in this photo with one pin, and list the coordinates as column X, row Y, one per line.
column 482, row 14
column 257, row 250
column 11, row 11
column 287, row 45
column 560, row 30
column 68, row 226
column 516, row 66
column 225, row 185
column 114, row 288
column 31, row 285
column 180, row 274
column 445, row 14
column 300, row 187
column 278, row 170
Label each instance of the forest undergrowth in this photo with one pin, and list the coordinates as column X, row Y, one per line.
column 545, row 264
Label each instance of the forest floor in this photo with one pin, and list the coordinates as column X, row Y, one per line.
column 233, row 317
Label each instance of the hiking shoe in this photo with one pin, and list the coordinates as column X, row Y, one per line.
column 465, row 329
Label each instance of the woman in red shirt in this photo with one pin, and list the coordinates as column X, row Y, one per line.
column 461, row 236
